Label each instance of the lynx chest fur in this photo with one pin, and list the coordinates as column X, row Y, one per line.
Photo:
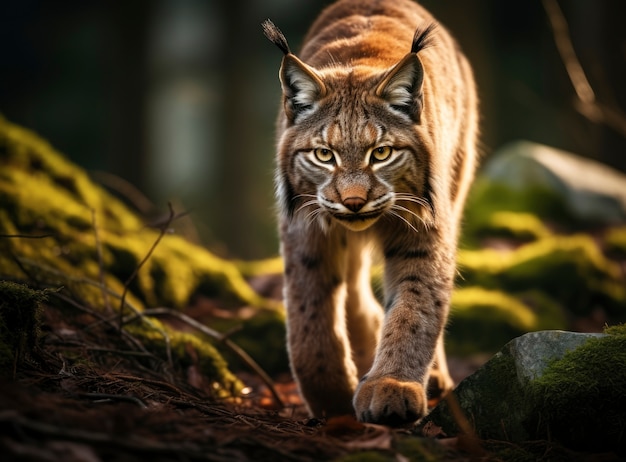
column 376, row 149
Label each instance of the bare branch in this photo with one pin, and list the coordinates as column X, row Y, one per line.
column 586, row 103
column 575, row 71
column 132, row 277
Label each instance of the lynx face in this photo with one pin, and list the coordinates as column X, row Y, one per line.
column 376, row 148
column 353, row 153
column 356, row 184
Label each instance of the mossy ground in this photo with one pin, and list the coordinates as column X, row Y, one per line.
column 526, row 264
column 60, row 230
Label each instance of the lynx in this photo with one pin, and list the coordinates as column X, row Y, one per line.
column 376, row 150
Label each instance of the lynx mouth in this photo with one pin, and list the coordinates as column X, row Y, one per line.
column 357, row 221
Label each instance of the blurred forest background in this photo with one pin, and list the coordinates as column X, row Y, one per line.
column 178, row 97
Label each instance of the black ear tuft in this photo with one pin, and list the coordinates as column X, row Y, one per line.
column 423, row 38
column 274, row 34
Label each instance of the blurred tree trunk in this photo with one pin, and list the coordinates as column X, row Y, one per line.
column 239, row 138
column 127, row 124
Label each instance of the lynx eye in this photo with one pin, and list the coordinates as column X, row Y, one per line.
column 324, row 155
column 381, row 153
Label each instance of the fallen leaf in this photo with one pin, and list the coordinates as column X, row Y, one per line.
column 343, row 425
column 431, row 430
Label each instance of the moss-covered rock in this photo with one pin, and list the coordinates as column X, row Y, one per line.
column 59, row 229
column 507, row 398
column 585, row 191
column 580, row 399
column 571, row 269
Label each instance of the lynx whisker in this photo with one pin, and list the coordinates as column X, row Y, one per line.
column 311, row 216
column 396, row 214
column 307, row 204
column 411, row 198
column 407, row 222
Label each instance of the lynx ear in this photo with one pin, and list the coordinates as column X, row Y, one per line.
column 302, row 87
column 402, row 87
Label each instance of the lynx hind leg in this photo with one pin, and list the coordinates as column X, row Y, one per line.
column 364, row 323
column 440, row 383
column 364, row 313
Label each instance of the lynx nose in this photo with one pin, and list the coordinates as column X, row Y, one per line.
column 354, row 203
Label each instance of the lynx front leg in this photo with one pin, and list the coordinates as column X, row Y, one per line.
column 418, row 290
column 319, row 349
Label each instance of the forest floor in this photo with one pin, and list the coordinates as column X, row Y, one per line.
column 87, row 395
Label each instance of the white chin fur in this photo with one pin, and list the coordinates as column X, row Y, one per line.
column 358, row 225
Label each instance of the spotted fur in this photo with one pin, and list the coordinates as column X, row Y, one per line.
column 376, row 149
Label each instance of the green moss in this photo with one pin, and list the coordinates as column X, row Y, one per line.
column 571, row 269
column 488, row 197
column 619, row 329
column 42, row 193
column 20, row 323
column 260, row 267
column 188, row 350
column 615, row 241
column 516, row 226
column 419, row 449
column 484, row 320
column 581, row 397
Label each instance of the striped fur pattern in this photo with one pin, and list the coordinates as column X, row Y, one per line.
column 376, row 149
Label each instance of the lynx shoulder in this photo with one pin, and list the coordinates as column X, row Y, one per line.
column 376, row 150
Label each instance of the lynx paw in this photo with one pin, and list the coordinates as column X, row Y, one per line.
column 389, row 401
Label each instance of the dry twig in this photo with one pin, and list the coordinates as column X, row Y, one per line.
column 245, row 357
column 133, row 275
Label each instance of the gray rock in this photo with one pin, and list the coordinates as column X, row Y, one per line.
column 591, row 191
column 494, row 399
